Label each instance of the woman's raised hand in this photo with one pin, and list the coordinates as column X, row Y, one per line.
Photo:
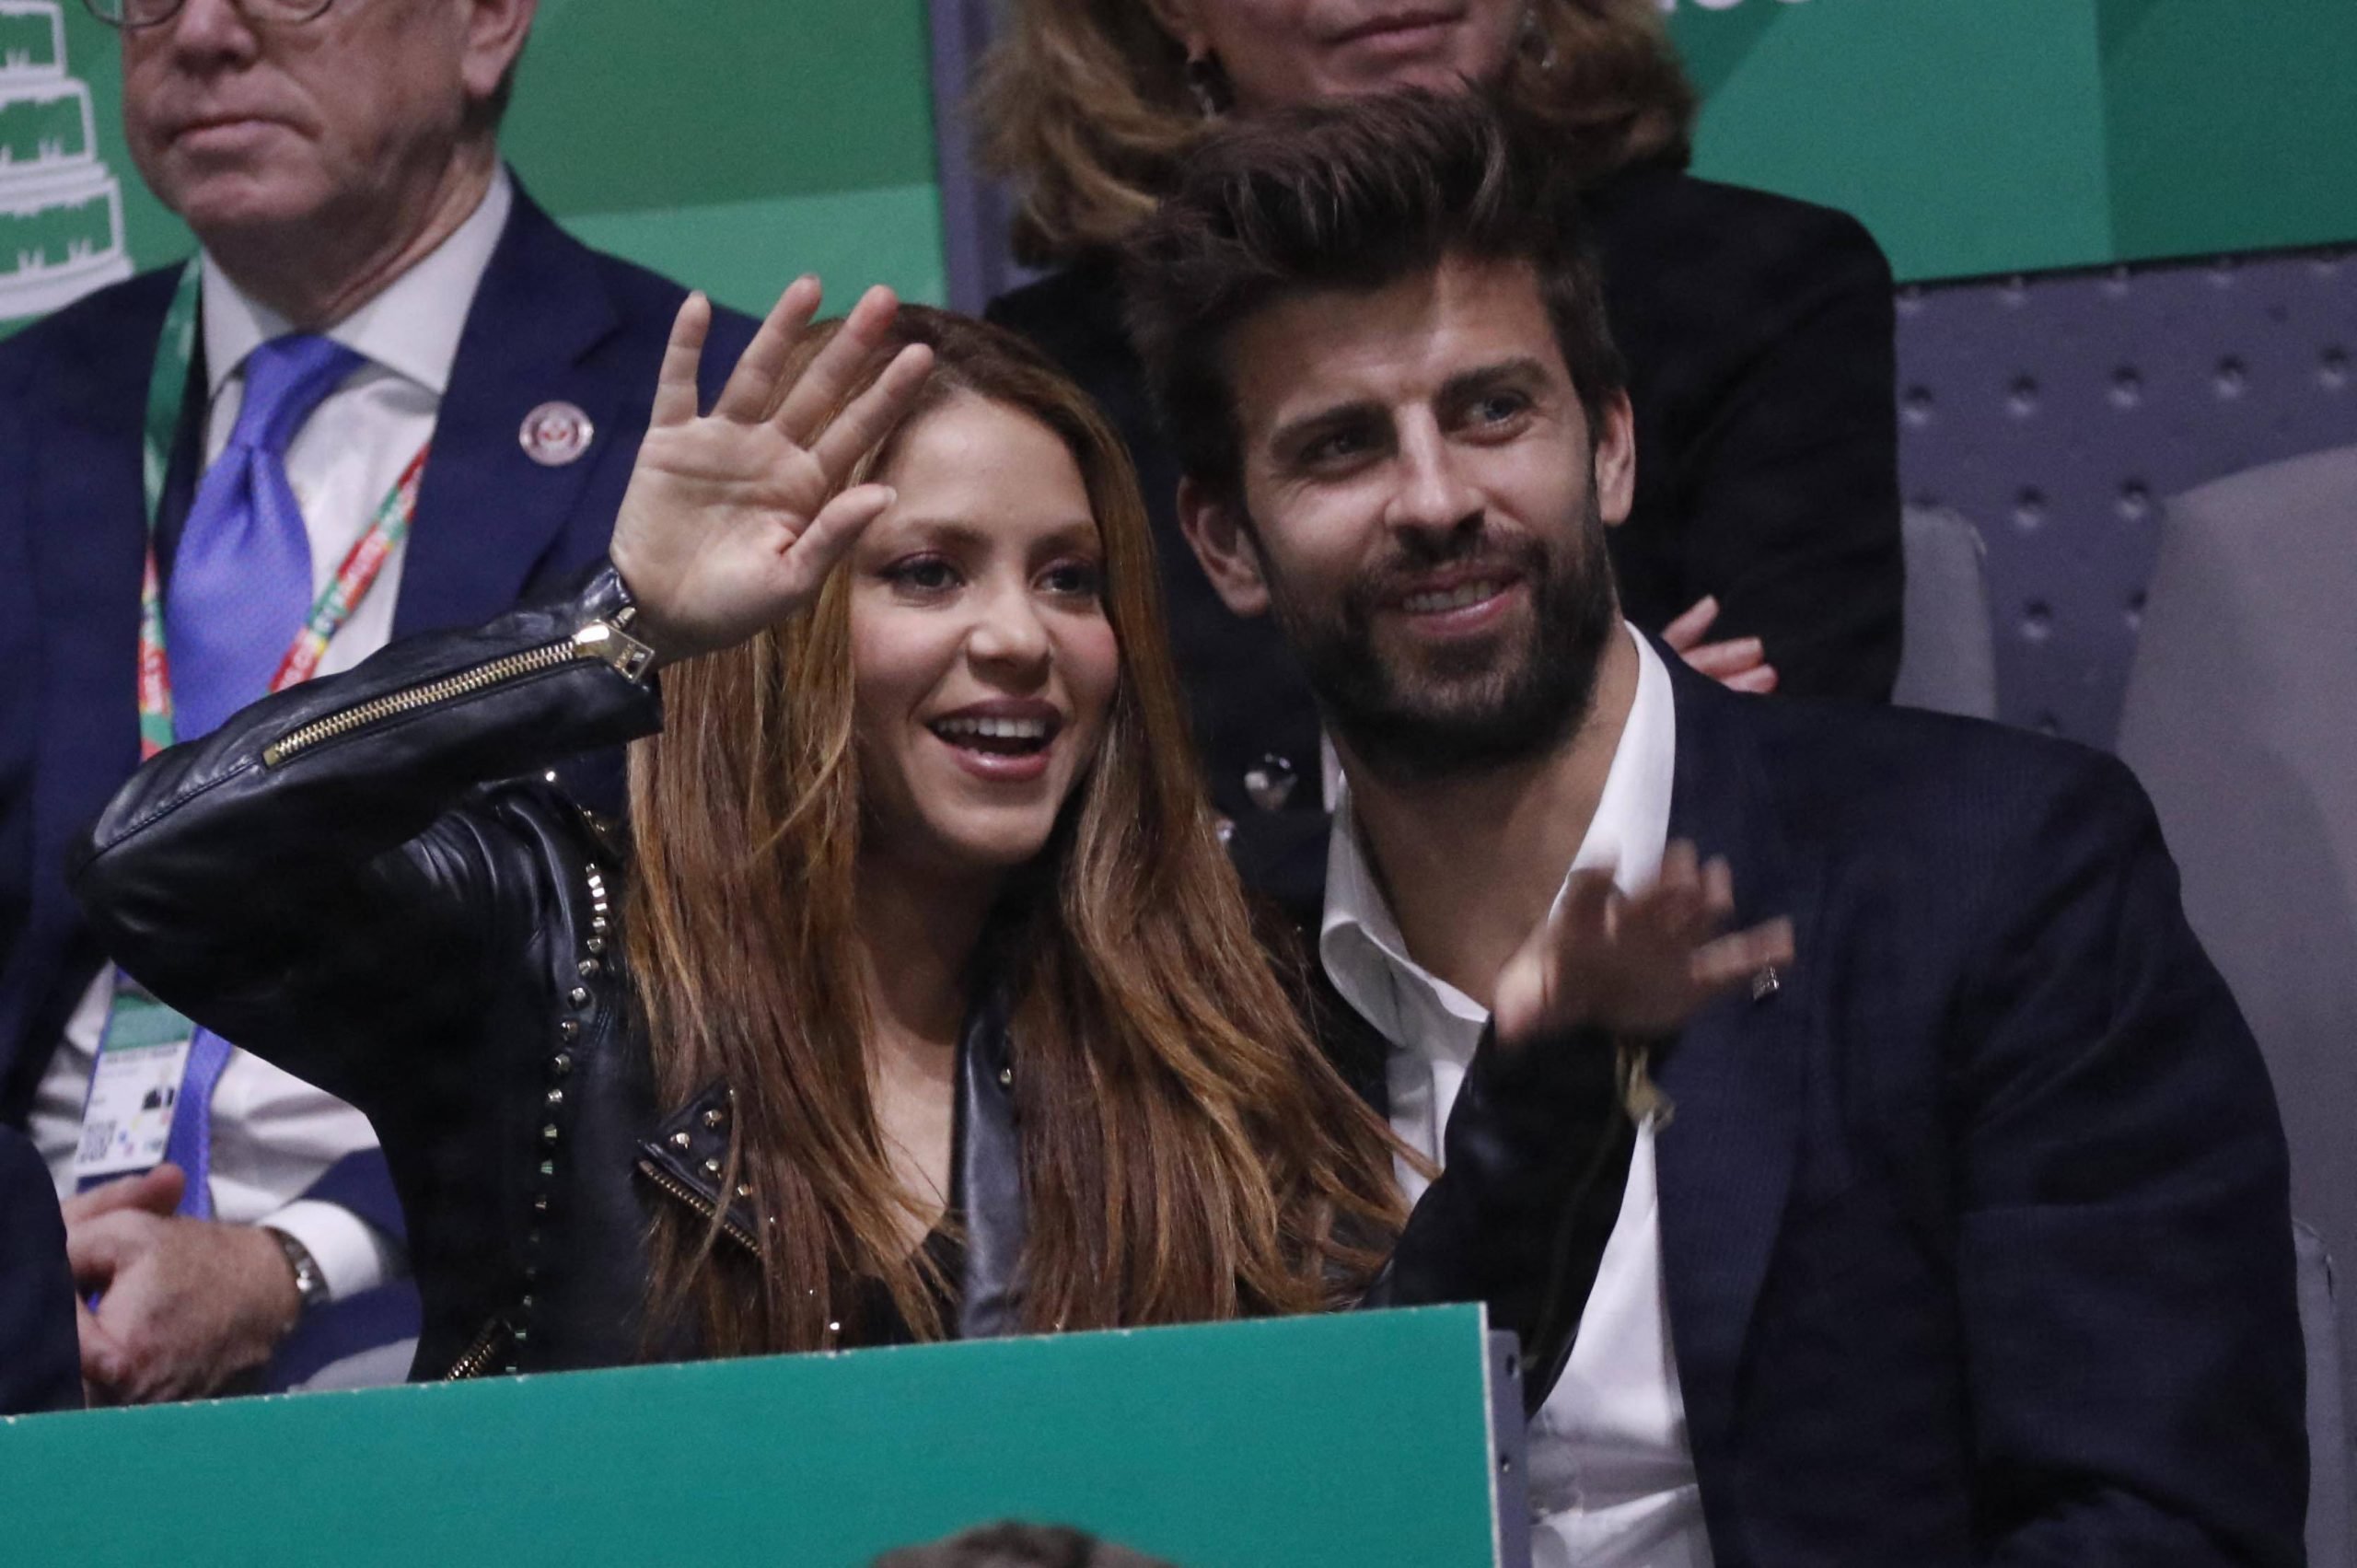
column 732, row 517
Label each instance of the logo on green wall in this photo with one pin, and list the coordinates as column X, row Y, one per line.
column 60, row 211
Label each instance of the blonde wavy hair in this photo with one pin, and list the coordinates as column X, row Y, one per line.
column 1084, row 105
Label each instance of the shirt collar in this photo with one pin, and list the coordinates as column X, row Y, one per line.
column 410, row 326
column 1359, row 941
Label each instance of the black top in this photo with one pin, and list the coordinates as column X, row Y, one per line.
column 1758, row 332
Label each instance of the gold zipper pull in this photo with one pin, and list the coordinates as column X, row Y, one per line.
column 606, row 640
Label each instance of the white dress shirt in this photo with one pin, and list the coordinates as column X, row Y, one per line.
column 1611, row 1472
column 273, row 1136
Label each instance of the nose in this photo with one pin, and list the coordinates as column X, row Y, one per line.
column 1434, row 500
column 214, row 30
column 1007, row 634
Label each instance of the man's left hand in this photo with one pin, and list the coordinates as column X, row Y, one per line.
column 184, row 1304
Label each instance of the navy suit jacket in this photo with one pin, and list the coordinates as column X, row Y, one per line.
column 1975, row 1233
column 41, row 1362
column 553, row 321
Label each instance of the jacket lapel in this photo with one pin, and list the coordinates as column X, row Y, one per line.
column 486, row 511
column 1736, row 1076
column 87, row 530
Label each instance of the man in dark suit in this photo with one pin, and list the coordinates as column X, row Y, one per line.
column 1959, row 1235
column 39, row 1368
column 390, row 395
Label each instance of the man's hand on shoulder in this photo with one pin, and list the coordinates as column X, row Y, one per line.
column 1639, row 965
column 184, row 1304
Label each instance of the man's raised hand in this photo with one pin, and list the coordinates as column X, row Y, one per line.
column 1638, row 965
column 732, row 518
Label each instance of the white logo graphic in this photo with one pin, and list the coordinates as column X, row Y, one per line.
column 61, row 211
column 1714, row 5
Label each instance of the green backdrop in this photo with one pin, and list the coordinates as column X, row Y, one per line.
column 1979, row 136
column 731, row 144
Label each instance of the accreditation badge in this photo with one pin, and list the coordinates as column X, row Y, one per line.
column 134, row 1089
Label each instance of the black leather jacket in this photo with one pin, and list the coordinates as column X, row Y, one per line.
column 329, row 880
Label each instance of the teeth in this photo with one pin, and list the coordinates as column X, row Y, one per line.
column 1454, row 598
column 996, row 729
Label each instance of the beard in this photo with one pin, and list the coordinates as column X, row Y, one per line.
column 1418, row 715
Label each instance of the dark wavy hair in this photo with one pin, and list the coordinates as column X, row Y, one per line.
column 1353, row 195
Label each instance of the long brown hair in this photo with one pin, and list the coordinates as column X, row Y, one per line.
column 1187, row 1152
column 1085, row 104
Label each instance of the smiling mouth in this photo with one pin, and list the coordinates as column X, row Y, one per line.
column 1442, row 600
column 996, row 736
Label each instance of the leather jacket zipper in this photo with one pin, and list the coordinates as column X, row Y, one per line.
column 495, row 1334
column 601, row 640
column 668, row 1183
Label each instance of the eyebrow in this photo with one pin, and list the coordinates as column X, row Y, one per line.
column 1521, row 370
column 962, row 532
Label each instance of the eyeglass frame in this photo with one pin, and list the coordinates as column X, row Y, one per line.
column 174, row 7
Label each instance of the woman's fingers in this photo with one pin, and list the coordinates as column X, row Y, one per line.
column 1686, row 632
column 753, row 384
column 839, row 523
column 1725, row 661
column 827, row 382
column 873, row 413
column 675, row 383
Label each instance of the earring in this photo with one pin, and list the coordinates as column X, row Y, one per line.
column 1207, row 83
column 1537, row 43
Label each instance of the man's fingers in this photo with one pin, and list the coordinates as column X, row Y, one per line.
column 1686, row 631
column 155, row 1191
column 675, row 384
column 822, row 388
column 106, row 1364
column 96, row 1248
column 873, row 413
column 753, row 384
column 1735, row 958
column 1759, row 681
column 1718, row 890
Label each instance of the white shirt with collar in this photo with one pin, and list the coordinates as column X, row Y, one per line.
column 1611, row 1472
column 273, row 1136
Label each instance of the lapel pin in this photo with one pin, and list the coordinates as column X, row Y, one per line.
column 556, row 434
column 1766, row 983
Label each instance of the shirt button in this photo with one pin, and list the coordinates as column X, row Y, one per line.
column 1271, row 783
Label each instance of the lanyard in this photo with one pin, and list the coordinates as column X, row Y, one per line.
column 167, row 392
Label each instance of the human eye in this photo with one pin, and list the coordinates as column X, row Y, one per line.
column 1074, row 579
column 1333, row 447
column 1500, row 408
column 922, row 576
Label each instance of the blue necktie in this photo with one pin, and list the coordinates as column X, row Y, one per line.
column 241, row 578
column 240, row 590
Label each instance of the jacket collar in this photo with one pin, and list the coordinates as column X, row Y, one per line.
column 688, row 1155
column 1736, row 1075
column 486, row 511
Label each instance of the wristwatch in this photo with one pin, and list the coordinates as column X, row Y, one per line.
column 310, row 1285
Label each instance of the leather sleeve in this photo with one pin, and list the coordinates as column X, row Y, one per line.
column 2124, row 1260
column 331, row 906
column 1537, row 1160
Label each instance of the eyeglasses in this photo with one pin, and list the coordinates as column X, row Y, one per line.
column 134, row 14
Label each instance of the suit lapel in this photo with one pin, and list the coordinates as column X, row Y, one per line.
column 86, row 537
column 486, row 513
column 1736, row 1075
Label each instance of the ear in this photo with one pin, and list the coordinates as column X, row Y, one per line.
column 1613, row 451
column 495, row 31
column 1225, row 547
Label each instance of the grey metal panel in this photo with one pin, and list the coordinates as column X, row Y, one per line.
column 1510, row 1442
column 2056, row 411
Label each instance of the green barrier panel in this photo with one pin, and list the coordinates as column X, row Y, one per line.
column 1977, row 137
column 1359, row 1441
